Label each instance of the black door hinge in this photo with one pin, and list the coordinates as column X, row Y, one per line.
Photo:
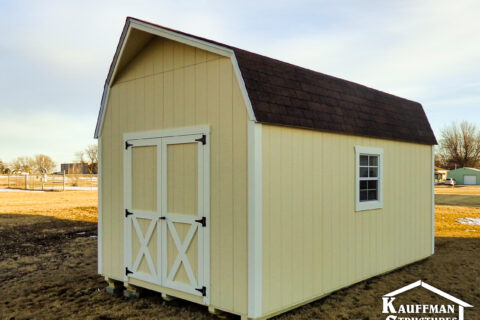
column 202, row 290
column 203, row 139
column 127, row 271
column 127, row 145
column 203, row 221
column 127, row 213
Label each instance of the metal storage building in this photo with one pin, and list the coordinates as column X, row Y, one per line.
column 251, row 185
column 467, row 176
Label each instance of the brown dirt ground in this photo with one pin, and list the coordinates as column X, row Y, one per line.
column 48, row 268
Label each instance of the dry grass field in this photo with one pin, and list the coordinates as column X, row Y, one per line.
column 48, row 265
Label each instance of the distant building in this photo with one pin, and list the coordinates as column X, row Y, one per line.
column 465, row 175
column 75, row 168
column 440, row 174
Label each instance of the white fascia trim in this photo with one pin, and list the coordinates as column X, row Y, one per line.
column 433, row 200
column 99, row 210
column 158, row 31
column 254, row 219
column 103, row 104
column 173, row 132
column 368, row 205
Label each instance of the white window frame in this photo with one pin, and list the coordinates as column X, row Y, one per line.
column 374, row 204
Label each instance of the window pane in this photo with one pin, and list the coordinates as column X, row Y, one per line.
column 373, row 172
column 363, row 171
column 373, row 160
column 372, row 195
column 363, row 196
column 363, row 185
column 364, row 160
column 372, row 184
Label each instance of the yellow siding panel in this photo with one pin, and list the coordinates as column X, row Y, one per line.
column 170, row 85
column 225, row 161
column 314, row 241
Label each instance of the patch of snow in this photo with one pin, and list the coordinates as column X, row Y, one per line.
column 469, row 221
column 18, row 190
column 50, row 189
column 81, row 188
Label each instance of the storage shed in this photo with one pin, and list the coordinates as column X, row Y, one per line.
column 251, row 185
column 467, row 176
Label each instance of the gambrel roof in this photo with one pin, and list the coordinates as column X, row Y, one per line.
column 280, row 93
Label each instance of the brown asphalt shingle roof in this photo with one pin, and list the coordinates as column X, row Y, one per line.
column 285, row 94
column 282, row 93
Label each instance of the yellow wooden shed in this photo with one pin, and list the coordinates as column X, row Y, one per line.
column 251, row 185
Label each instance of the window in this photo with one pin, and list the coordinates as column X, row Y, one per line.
column 369, row 165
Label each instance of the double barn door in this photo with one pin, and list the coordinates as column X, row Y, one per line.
column 166, row 212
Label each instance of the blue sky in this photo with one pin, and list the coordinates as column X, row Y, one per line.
column 54, row 55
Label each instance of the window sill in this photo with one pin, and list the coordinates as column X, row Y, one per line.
column 368, row 205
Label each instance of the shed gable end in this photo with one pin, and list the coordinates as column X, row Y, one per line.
column 161, row 55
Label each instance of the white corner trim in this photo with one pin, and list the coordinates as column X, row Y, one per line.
column 368, row 205
column 254, row 219
column 433, row 200
column 99, row 210
column 174, row 36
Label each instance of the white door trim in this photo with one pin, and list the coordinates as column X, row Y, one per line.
column 131, row 222
column 202, row 233
column 161, row 138
column 172, row 132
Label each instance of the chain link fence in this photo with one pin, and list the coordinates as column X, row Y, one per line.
column 59, row 182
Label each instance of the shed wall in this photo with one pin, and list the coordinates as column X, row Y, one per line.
column 171, row 85
column 313, row 240
column 458, row 174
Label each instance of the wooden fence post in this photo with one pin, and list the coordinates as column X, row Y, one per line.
column 8, row 181
column 63, row 180
column 26, row 181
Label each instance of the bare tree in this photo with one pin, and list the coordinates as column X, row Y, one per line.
column 22, row 164
column 2, row 167
column 459, row 146
column 89, row 158
column 43, row 164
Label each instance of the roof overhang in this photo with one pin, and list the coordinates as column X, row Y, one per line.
column 137, row 33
